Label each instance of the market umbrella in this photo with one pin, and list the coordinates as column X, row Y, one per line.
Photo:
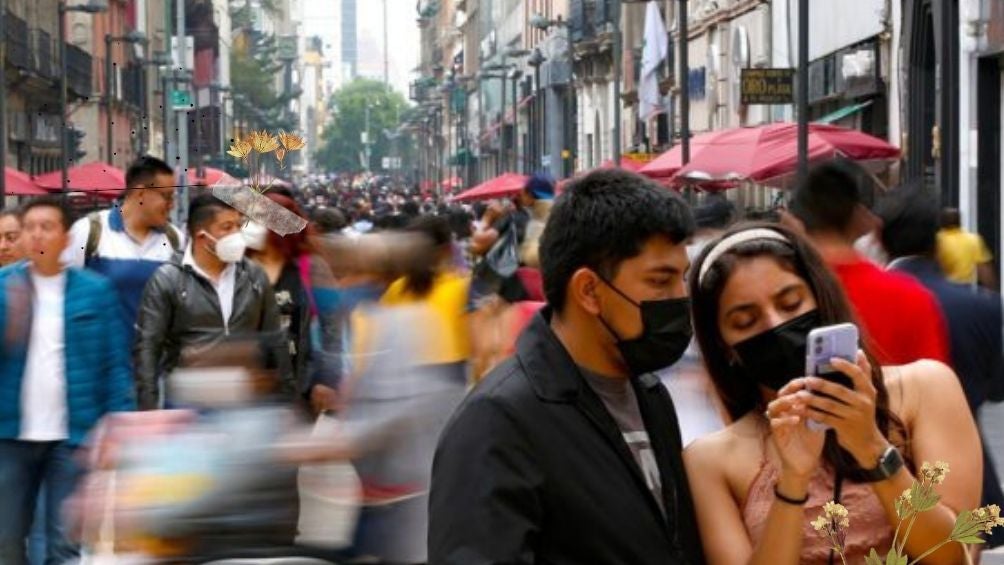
column 665, row 165
column 502, row 186
column 18, row 183
column 627, row 163
column 452, row 182
column 769, row 152
column 97, row 178
column 210, row 176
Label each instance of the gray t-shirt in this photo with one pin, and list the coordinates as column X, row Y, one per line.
column 619, row 398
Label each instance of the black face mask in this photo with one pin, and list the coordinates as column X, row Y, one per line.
column 665, row 334
column 776, row 356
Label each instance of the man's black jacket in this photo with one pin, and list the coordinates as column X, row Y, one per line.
column 533, row 469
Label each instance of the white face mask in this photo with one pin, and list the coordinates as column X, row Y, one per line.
column 230, row 248
column 255, row 235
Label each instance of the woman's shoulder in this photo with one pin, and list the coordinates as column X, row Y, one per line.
column 739, row 439
column 911, row 385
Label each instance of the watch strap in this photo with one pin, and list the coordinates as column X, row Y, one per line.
column 889, row 463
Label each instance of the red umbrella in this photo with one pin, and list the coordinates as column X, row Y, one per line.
column 20, row 184
column 768, row 152
column 210, row 176
column 665, row 165
column 508, row 184
column 627, row 163
column 97, row 178
column 452, row 182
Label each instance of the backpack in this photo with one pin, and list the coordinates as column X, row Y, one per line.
column 94, row 236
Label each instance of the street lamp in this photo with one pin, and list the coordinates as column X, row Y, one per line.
column 92, row 7
column 222, row 90
column 132, row 38
column 539, row 107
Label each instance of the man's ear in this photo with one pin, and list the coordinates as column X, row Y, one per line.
column 582, row 290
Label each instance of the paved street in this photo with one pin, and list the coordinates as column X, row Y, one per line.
column 991, row 417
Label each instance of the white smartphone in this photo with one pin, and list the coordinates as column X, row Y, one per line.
column 823, row 344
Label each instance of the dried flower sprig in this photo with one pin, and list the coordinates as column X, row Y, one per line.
column 832, row 524
column 255, row 144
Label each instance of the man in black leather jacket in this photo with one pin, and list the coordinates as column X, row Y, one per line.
column 570, row 451
column 202, row 296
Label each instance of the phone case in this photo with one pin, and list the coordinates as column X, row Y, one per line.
column 823, row 344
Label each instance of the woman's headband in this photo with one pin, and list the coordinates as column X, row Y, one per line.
column 723, row 246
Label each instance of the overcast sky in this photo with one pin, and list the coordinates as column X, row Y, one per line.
column 403, row 36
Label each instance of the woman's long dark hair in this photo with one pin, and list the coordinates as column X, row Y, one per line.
column 424, row 266
column 739, row 394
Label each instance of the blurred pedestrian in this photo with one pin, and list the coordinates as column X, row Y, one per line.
column 687, row 381
column 64, row 362
column 900, row 319
column 10, row 236
column 128, row 242
column 963, row 255
column 910, row 236
column 570, row 451
column 304, row 295
column 209, row 292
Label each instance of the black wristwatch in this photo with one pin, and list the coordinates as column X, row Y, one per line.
column 889, row 463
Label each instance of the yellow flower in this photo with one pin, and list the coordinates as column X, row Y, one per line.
column 265, row 142
column 280, row 154
column 240, row 149
column 291, row 141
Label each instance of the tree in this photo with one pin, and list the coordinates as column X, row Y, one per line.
column 341, row 141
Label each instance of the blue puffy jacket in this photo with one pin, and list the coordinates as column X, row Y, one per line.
column 98, row 373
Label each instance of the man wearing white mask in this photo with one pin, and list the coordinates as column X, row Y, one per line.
column 208, row 293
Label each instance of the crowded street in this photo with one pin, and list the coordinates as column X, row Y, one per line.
column 486, row 282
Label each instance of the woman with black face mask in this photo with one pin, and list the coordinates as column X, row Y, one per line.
column 797, row 442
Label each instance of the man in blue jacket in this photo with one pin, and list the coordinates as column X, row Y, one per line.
column 64, row 363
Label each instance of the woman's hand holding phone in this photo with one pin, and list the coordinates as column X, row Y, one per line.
column 850, row 412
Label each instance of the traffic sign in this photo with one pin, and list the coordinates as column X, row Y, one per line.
column 181, row 100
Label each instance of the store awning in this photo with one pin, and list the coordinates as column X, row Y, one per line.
column 843, row 112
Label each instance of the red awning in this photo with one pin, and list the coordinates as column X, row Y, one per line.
column 18, row 183
column 506, row 185
column 96, row 178
column 770, row 152
column 210, row 176
column 668, row 163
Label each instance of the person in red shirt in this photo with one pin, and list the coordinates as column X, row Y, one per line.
column 900, row 318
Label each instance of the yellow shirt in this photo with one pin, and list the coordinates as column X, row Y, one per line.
column 447, row 325
column 959, row 253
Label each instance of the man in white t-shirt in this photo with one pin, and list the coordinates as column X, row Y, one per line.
column 64, row 363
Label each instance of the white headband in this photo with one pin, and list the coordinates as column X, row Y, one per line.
column 733, row 240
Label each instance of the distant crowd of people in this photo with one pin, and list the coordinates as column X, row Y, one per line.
column 609, row 375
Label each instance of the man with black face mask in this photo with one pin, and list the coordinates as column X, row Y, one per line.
column 569, row 452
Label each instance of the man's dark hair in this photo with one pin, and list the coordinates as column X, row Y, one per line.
column 143, row 170
column 329, row 220
column 829, row 195
column 202, row 211
column 603, row 219
column 57, row 202
column 951, row 218
column 13, row 212
column 909, row 221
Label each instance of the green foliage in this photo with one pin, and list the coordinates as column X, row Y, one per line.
column 341, row 141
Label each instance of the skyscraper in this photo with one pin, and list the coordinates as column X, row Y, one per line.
column 350, row 43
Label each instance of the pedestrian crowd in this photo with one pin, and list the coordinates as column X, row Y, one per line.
column 606, row 375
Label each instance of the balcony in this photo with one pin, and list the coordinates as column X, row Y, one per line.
column 78, row 71
column 18, row 44
column 43, row 60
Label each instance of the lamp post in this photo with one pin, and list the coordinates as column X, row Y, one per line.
column 536, row 60
column 214, row 89
column 803, row 89
column 132, row 38
column 92, row 7
column 542, row 23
